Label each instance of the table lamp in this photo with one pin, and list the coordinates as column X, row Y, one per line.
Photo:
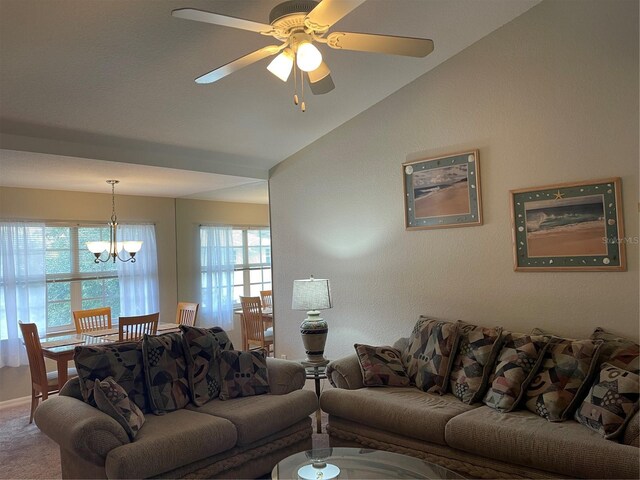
column 312, row 295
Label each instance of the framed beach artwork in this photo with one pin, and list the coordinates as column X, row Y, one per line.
column 569, row 226
column 443, row 192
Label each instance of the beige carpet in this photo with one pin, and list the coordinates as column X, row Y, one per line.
column 26, row 452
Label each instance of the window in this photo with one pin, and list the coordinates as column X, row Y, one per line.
column 252, row 262
column 74, row 280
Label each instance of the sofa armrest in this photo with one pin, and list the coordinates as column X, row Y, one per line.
column 80, row 428
column 345, row 373
column 285, row 376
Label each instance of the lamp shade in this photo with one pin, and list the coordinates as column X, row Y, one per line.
column 311, row 294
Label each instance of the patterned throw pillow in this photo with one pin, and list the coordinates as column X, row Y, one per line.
column 516, row 365
column 165, row 368
column 381, row 366
column 202, row 348
column 626, row 358
column 113, row 400
column 122, row 361
column 611, row 402
column 565, row 369
column 243, row 374
column 430, row 354
column 473, row 364
column 615, row 345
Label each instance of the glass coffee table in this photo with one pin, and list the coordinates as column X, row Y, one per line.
column 356, row 463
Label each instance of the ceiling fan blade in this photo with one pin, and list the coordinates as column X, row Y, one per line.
column 328, row 12
column 237, row 64
column 320, row 80
column 224, row 20
column 367, row 42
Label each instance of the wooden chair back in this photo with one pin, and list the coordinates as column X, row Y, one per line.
column 34, row 354
column 267, row 299
column 40, row 387
column 134, row 328
column 253, row 327
column 93, row 319
column 187, row 313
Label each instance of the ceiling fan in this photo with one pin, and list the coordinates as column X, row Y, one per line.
column 298, row 24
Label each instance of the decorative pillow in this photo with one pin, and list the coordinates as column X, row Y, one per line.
column 243, row 374
column 165, row 368
column 113, row 400
column 202, row 350
column 430, row 354
column 473, row 364
column 381, row 366
column 618, row 351
column 122, row 361
column 221, row 336
column 516, row 365
column 611, row 402
column 566, row 367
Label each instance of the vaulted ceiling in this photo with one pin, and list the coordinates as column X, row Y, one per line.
column 91, row 89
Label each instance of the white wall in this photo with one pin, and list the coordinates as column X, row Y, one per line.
column 550, row 97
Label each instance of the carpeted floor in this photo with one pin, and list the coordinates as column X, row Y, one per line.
column 26, row 452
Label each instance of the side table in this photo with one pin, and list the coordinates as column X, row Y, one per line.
column 316, row 372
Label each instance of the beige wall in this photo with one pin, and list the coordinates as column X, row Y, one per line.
column 190, row 215
column 550, row 97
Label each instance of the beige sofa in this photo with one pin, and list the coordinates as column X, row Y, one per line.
column 473, row 440
column 238, row 438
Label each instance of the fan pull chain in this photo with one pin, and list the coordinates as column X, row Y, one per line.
column 295, row 86
column 303, row 107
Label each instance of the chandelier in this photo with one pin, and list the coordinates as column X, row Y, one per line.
column 114, row 247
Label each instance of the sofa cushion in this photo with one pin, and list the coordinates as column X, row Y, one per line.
column 611, row 402
column 429, row 355
column 113, row 400
column 258, row 417
column 523, row 438
column 202, row 350
column 381, row 366
column 405, row 411
column 243, row 374
column 122, row 361
column 560, row 384
column 165, row 367
column 474, row 361
column 166, row 442
column 517, row 363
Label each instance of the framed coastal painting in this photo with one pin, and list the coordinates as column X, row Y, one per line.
column 443, row 192
column 570, row 226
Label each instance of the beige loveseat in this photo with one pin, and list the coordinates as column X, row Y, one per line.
column 474, row 440
column 237, row 438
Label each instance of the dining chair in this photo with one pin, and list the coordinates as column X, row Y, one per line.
column 253, row 332
column 43, row 384
column 187, row 313
column 267, row 299
column 134, row 328
column 93, row 319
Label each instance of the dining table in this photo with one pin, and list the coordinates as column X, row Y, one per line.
column 61, row 347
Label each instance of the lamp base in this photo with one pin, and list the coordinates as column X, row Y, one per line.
column 314, row 336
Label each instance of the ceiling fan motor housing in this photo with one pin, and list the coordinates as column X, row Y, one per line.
column 290, row 14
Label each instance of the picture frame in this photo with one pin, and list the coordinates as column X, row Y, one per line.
column 575, row 226
column 443, row 192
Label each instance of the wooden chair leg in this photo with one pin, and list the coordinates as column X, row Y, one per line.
column 34, row 404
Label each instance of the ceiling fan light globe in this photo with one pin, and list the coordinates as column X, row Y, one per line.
column 282, row 65
column 308, row 57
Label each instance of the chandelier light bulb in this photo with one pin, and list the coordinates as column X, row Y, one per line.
column 308, row 57
column 282, row 65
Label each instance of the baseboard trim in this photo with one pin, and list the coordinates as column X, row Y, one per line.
column 14, row 402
